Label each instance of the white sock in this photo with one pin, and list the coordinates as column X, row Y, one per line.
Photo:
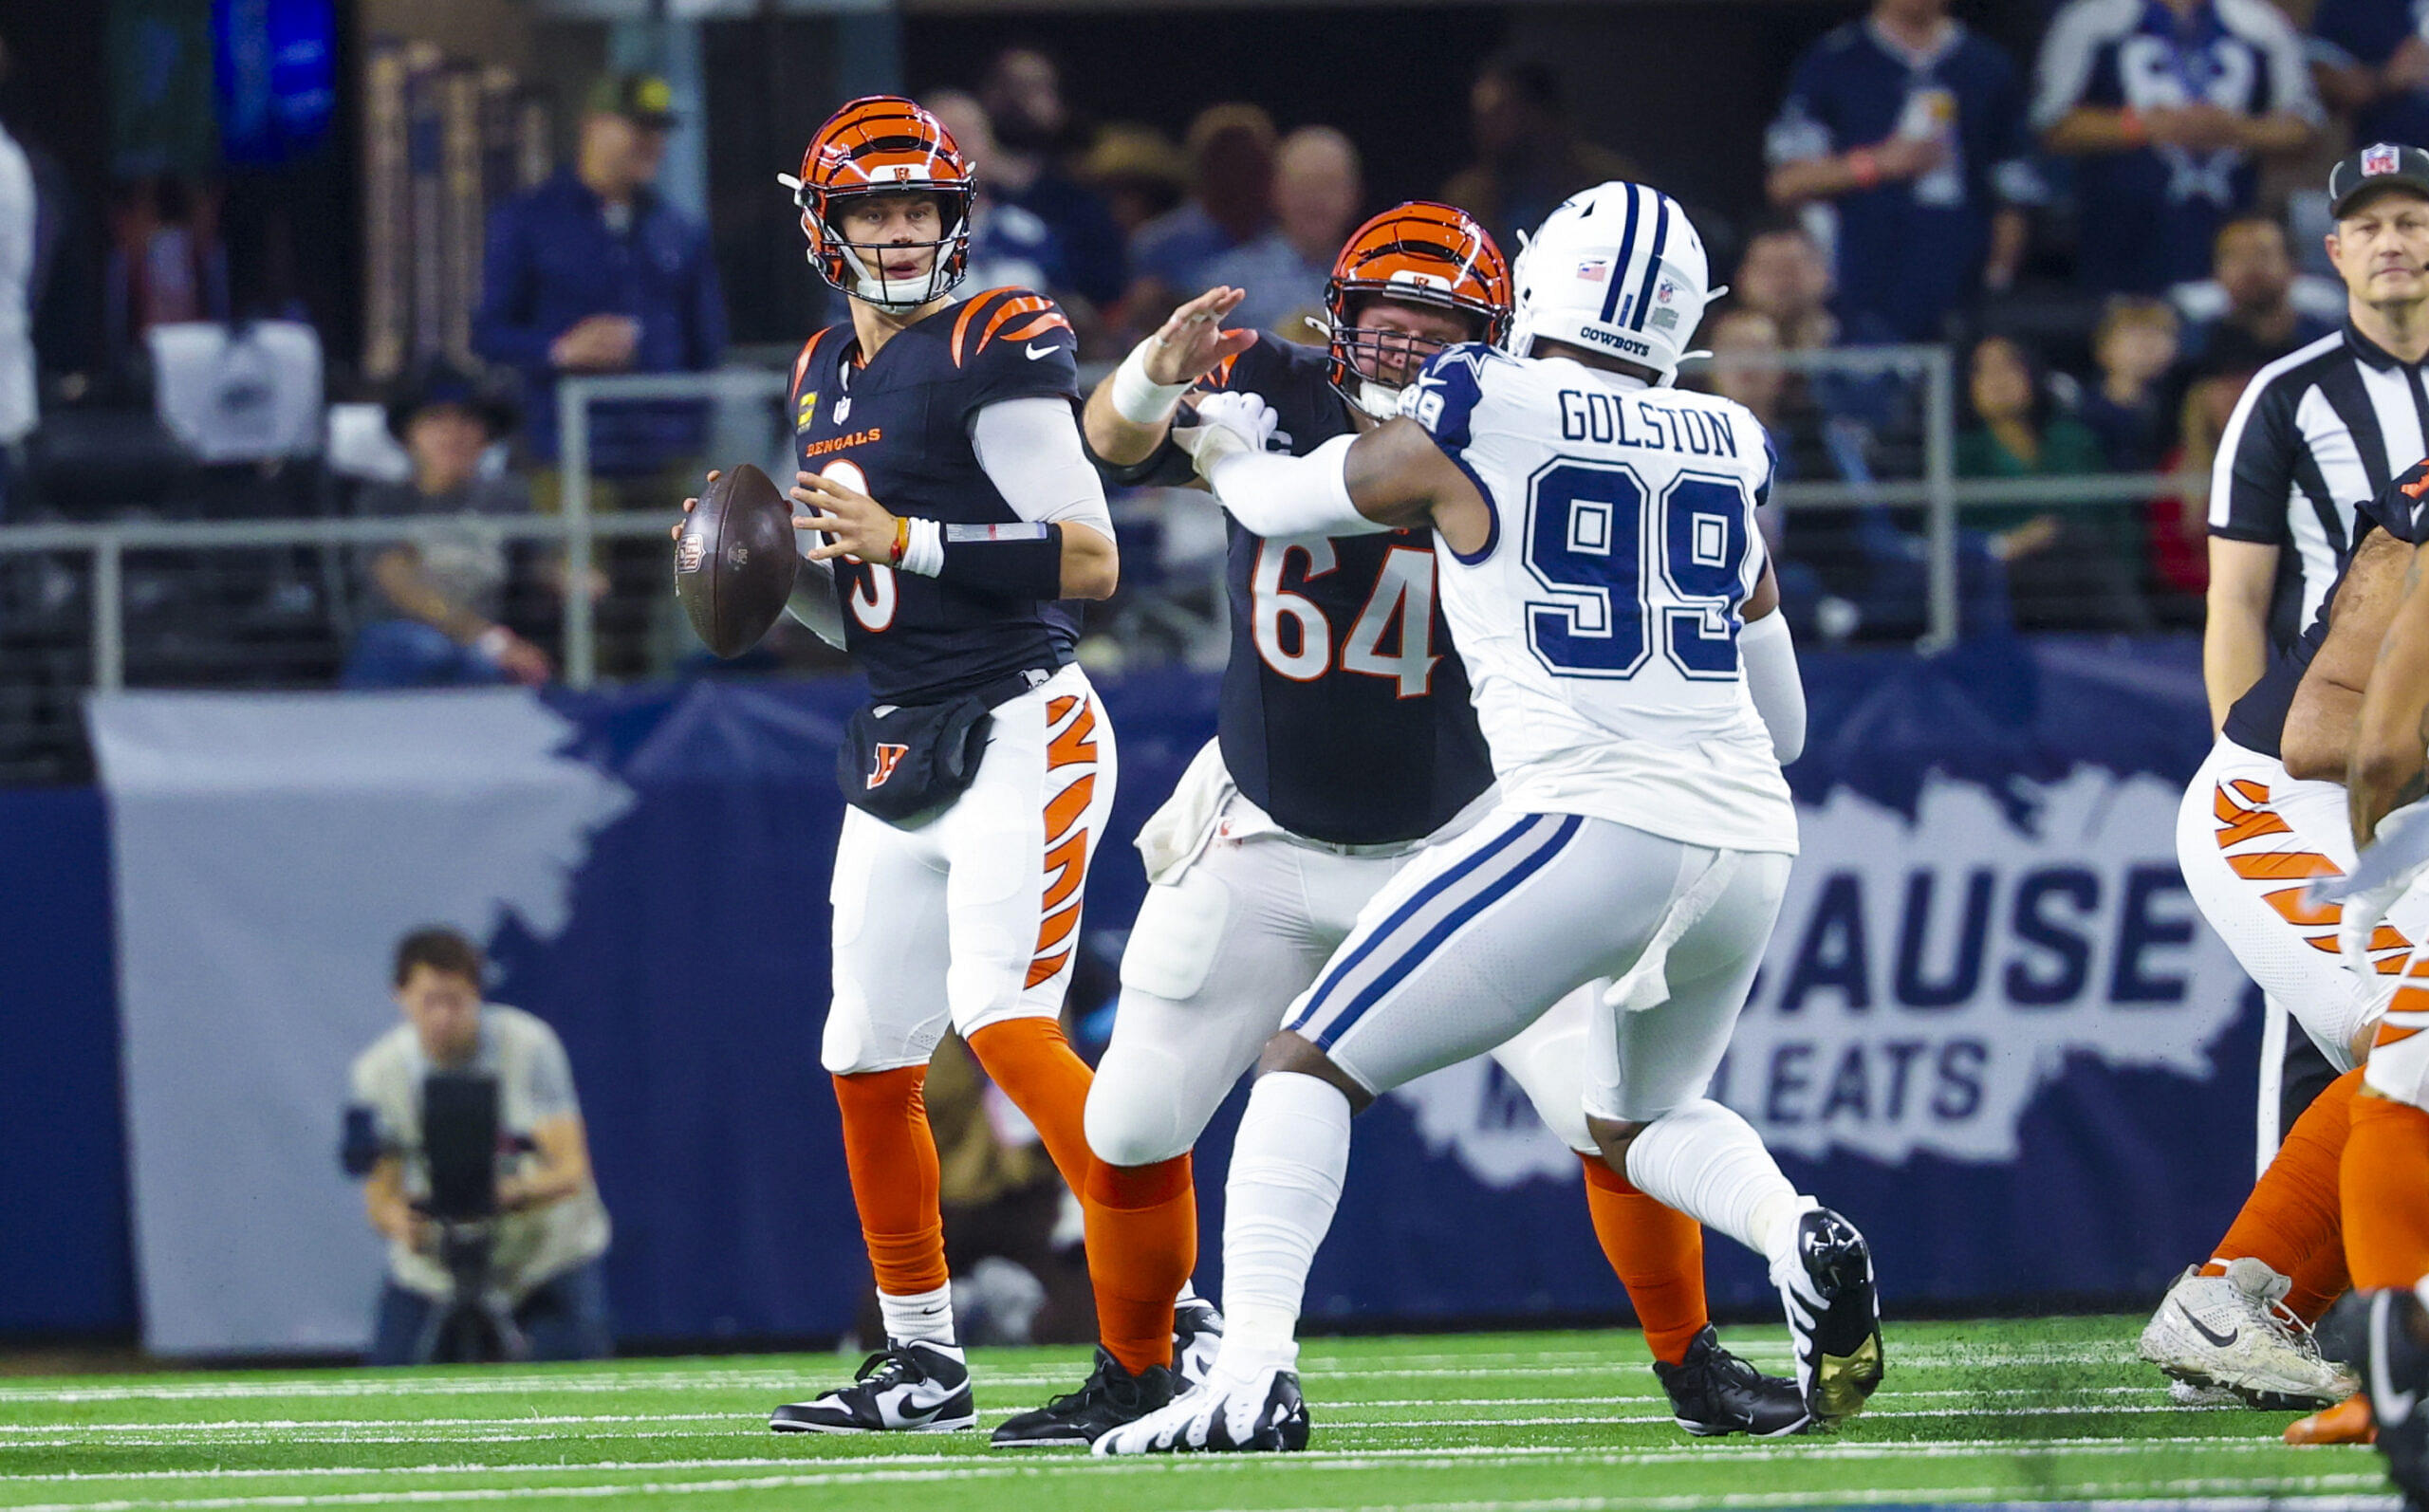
column 926, row 1318
column 1710, row 1163
column 1287, row 1168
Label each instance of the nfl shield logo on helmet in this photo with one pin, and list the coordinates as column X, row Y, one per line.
column 2380, row 158
column 1665, row 292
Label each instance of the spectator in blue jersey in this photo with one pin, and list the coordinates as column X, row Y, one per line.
column 2169, row 106
column 1023, row 97
column 1910, row 129
column 2370, row 59
column 591, row 272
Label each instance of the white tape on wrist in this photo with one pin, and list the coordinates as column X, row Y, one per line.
column 1138, row 398
column 493, row 642
column 923, row 551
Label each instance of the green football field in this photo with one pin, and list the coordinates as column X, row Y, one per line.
column 2006, row 1411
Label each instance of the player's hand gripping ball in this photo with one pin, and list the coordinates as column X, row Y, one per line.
column 735, row 558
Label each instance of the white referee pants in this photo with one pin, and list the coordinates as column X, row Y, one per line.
column 972, row 917
column 1219, row 953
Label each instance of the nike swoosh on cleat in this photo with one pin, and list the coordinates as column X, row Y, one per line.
column 1036, row 351
column 2221, row 1340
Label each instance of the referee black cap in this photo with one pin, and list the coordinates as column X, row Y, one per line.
column 2382, row 165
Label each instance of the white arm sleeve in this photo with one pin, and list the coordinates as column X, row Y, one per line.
column 1770, row 655
column 815, row 603
column 1030, row 449
column 1278, row 496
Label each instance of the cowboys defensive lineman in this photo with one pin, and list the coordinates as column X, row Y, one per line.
column 1606, row 589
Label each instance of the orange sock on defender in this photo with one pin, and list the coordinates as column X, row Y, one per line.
column 1033, row 1063
column 1659, row 1253
column 2292, row 1223
column 1143, row 1244
column 892, row 1158
column 2386, row 1193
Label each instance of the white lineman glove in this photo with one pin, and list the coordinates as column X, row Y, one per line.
column 2396, row 860
column 1228, row 424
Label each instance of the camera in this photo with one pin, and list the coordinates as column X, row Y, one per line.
column 461, row 1145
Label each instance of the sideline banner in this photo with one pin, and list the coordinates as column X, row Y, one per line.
column 1991, row 1028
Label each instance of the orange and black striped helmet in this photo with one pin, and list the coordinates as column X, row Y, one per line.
column 878, row 145
column 1421, row 252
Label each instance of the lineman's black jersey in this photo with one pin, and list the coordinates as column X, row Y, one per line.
column 897, row 430
column 2257, row 721
column 1346, row 712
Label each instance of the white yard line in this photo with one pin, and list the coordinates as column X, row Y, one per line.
column 2210, row 1486
column 775, row 1378
column 1658, row 1454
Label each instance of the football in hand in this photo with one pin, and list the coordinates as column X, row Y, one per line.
column 735, row 560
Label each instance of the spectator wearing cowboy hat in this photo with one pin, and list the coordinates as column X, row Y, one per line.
column 438, row 595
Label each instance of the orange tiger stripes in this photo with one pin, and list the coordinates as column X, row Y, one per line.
column 1067, row 835
column 2240, row 806
column 1007, row 304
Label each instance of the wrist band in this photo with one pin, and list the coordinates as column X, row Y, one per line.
column 919, row 547
column 493, row 641
column 1138, row 398
column 1867, row 167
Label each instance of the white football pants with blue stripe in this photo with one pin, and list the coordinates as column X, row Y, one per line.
column 1469, row 945
column 1475, row 941
column 1222, row 951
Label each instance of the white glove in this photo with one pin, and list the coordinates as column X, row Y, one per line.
column 1228, row 424
column 2365, row 910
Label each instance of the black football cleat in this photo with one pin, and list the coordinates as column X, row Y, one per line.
column 2385, row 1336
column 1833, row 1315
column 1197, row 1335
column 1262, row 1415
column 1108, row 1398
column 915, row 1387
column 1713, row 1393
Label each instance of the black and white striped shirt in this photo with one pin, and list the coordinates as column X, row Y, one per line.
column 2317, row 434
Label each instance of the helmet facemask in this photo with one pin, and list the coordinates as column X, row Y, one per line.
column 858, row 268
column 1420, row 254
column 1363, row 357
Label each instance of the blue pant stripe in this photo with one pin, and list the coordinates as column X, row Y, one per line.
column 1459, row 916
column 1333, row 975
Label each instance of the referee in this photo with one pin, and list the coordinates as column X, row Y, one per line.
column 2316, row 434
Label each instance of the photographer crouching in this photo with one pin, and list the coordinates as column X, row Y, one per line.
column 464, row 1124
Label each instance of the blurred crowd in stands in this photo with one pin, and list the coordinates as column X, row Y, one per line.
column 2111, row 237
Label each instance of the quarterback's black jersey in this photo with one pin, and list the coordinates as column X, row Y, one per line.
column 2257, row 721
column 1345, row 711
column 897, row 430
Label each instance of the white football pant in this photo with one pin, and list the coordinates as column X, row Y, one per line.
column 972, row 915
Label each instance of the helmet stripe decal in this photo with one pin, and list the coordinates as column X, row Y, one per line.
column 1653, row 263
column 1619, row 267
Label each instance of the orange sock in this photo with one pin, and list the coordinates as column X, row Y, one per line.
column 1659, row 1253
column 2386, row 1193
column 1143, row 1244
column 1033, row 1063
column 2292, row 1222
column 892, row 1158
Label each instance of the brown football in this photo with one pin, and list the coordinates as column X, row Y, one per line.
column 735, row 560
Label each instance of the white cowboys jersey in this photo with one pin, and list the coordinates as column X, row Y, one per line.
column 1599, row 624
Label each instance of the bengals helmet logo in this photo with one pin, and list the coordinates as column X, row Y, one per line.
column 887, row 757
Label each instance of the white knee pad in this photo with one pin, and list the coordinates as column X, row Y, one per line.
column 850, row 1046
column 1136, row 1113
column 1548, row 1062
column 1177, row 936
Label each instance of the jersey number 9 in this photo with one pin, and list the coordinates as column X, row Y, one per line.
column 1587, row 543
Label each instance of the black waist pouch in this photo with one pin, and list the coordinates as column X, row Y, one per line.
column 899, row 760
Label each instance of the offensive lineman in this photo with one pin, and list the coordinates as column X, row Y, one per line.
column 958, row 413
column 1345, row 748
column 1596, row 544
